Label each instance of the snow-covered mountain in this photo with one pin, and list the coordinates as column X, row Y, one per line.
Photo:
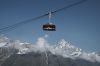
column 62, row 48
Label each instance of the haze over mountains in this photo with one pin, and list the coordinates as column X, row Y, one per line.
column 17, row 53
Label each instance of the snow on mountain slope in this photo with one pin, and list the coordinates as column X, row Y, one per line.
column 67, row 49
column 3, row 41
column 62, row 48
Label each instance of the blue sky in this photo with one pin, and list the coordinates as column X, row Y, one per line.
column 79, row 25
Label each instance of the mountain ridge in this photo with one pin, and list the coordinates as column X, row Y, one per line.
column 64, row 49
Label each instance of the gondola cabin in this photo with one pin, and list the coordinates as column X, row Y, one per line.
column 49, row 27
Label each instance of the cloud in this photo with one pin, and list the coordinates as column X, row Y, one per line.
column 93, row 57
column 62, row 48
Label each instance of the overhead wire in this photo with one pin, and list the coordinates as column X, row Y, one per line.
column 11, row 27
column 14, row 26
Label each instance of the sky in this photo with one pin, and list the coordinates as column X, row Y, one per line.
column 78, row 24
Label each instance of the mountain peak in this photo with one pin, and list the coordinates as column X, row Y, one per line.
column 67, row 49
column 62, row 48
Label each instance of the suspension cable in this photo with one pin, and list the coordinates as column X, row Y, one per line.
column 14, row 26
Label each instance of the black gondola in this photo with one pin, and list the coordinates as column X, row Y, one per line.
column 49, row 27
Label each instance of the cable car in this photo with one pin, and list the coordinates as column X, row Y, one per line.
column 49, row 26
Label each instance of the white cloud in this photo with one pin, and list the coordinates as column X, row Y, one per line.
column 63, row 48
